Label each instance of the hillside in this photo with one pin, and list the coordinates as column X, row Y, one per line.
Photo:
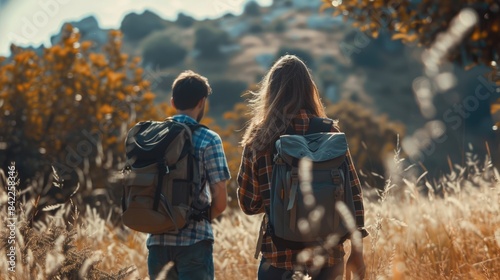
column 251, row 43
column 234, row 52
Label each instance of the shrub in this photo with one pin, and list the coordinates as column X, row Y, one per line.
column 226, row 93
column 208, row 41
column 256, row 28
column 371, row 138
column 161, row 51
column 279, row 26
column 252, row 8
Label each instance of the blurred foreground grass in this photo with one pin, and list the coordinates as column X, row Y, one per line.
column 452, row 232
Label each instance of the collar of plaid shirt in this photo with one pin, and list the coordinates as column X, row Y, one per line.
column 254, row 197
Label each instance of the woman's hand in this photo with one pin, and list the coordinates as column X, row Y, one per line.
column 355, row 264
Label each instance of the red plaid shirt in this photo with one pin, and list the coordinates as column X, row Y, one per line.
column 254, row 197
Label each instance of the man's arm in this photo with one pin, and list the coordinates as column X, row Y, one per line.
column 217, row 172
column 219, row 199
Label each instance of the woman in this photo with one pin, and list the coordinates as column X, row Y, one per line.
column 288, row 97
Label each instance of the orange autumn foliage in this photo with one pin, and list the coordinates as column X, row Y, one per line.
column 51, row 101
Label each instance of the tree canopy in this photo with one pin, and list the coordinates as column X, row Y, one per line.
column 137, row 27
column 463, row 32
column 420, row 21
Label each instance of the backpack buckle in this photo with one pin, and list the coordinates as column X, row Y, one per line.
column 336, row 177
column 277, row 159
column 199, row 215
column 163, row 168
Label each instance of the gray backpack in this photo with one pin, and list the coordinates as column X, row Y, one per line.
column 301, row 216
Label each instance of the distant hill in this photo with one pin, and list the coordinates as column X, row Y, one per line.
column 251, row 42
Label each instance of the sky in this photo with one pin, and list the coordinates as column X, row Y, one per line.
column 33, row 22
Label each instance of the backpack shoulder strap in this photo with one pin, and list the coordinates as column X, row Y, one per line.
column 197, row 213
column 290, row 130
column 196, row 126
column 192, row 126
column 319, row 125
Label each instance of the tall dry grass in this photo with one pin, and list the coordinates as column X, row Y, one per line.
column 452, row 232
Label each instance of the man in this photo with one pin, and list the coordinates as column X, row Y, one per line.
column 191, row 249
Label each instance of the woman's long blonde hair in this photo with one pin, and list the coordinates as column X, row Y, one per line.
column 287, row 88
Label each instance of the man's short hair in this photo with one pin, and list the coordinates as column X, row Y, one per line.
column 188, row 89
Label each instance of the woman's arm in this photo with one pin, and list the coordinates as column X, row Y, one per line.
column 249, row 197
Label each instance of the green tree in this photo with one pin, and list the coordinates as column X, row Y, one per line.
column 137, row 27
column 252, row 8
column 184, row 20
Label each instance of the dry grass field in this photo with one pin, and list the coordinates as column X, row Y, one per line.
column 452, row 232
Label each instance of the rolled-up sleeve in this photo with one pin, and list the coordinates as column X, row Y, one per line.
column 249, row 196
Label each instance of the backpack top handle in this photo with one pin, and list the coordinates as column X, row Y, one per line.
column 316, row 125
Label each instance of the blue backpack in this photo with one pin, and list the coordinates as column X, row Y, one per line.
column 302, row 215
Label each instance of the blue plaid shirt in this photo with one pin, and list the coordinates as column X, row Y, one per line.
column 214, row 168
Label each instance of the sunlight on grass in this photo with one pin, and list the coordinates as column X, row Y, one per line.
column 451, row 232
